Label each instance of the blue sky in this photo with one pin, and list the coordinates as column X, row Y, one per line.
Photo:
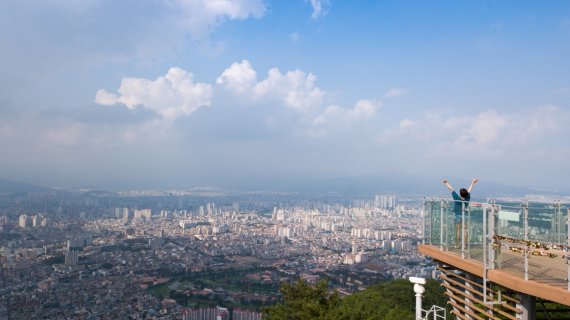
column 178, row 93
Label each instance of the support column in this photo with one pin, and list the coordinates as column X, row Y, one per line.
column 528, row 306
column 527, row 248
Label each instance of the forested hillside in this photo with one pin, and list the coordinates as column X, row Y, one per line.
column 391, row 300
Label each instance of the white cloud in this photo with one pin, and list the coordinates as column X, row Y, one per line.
column 483, row 130
column 200, row 16
column 106, row 98
column 395, row 92
column 319, row 8
column 363, row 109
column 239, row 77
column 296, row 89
column 488, row 134
column 172, row 96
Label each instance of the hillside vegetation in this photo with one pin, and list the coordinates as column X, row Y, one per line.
column 391, row 300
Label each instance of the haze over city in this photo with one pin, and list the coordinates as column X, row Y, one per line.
column 181, row 93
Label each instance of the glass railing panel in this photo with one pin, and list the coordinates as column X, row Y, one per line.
column 426, row 235
column 509, row 227
column 453, row 228
column 474, row 243
column 547, row 231
column 436, row 230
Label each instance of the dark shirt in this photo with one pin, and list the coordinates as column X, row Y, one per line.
column 458, row 203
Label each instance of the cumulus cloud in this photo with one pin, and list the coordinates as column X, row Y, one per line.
column 240, row 77
column 395, row 92
column 106, row 98
column 482, row 130
column 319, row 8
column 362, row 110
column 172, row 96
column 296, row 89
column 488, row 134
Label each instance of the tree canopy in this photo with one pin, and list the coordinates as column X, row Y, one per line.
column 391, row 300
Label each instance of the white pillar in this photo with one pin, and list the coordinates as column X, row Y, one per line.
column 419, row 290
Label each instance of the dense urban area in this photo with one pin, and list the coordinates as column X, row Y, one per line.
column 200, row 254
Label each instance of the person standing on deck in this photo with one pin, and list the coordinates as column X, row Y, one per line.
column 463, row 197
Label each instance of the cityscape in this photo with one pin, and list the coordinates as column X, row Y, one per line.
column 101, row 255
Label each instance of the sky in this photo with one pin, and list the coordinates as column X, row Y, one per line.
column 182, row 93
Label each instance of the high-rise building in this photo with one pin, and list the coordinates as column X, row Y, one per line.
column 25, row 221
column 71, row 258
column 144, row 214
column 121, row 213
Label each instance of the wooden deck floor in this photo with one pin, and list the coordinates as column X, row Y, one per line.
column 553, row 271
column 547, row 276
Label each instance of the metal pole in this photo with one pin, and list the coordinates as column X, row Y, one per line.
column 525, row 208
column 431, row 220
column 568, row 244
column 462, row 230
column 485, row 262
column 469, row 232
column 424, row 222
column 441, row 225
column 559, row 223
column 492, row 237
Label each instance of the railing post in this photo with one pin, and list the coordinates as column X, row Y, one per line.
column 462, row 230
column 485, row 256
column 492, row 236
column 424, row 222
column 559, row 223
column 441, row 225
column 469, row 231
column 431, row 221
column 525, row 209
column 568, row 243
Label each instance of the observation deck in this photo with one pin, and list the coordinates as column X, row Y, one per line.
column 501, row 260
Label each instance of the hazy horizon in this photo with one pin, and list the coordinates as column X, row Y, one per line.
column 191, row 92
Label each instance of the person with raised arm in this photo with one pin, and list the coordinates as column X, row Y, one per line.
column 463, row 197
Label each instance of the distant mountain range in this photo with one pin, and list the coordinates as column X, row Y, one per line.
column 369, row 185
column 351, row 186
column 9, row 186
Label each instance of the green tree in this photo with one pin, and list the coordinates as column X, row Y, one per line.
column 391, row 300
column 302, row 301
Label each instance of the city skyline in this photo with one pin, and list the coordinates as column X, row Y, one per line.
column 185, row 93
